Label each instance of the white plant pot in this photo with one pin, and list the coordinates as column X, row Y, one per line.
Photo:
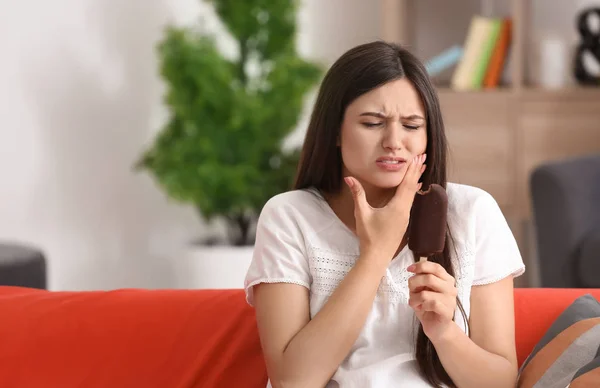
column 212, row 267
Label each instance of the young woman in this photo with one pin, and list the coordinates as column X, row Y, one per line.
column 340, row 300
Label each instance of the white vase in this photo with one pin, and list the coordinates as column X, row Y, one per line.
column 551, row 62
column 212, row 267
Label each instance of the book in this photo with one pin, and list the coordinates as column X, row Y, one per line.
column 444, row 60
column 485, row 54
column 498, row 61
column 467, row 73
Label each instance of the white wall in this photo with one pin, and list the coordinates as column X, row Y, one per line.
column 79, row 97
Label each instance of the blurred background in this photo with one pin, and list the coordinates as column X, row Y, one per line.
column 138, row 142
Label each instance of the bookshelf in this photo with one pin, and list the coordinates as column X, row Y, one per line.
column 498, row 136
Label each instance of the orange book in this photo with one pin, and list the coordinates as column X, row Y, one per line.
column 496, row 64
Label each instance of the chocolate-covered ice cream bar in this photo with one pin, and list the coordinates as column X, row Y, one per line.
column 427, row 235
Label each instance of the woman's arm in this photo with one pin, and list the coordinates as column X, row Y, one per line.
column 488, row 358
column 300, row 352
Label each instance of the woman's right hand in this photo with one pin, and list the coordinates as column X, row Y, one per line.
column 381, row 230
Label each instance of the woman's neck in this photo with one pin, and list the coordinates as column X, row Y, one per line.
column 342, row 202
column 342, row 205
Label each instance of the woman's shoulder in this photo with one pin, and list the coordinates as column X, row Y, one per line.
column 457, row 191
column 293, row 201
column 467, row 200
column 305, row 206
column 470, row 208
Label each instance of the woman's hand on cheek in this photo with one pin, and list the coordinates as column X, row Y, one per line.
column 380, row 230
column 432, row 297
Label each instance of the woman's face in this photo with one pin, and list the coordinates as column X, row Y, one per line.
column 382, row 130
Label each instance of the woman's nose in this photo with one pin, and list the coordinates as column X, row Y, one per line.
column 392, row 137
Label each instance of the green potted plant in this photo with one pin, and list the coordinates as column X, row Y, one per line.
column 221, row 149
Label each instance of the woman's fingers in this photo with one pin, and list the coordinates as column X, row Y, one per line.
column 430, row 282
column 418, row 170
column 431, row 267
column 358, row 195
column 405, row 192
column 431, row 301
column 431, row 288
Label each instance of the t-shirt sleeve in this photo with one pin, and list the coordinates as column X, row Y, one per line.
column 497, row 255
column 279, row 251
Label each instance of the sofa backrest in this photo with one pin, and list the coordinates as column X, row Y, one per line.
column 128, row 338
column 174, row 338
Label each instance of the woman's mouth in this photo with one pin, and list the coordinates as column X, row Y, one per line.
column 391, row 163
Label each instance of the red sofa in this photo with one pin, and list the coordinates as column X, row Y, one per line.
column 167, row 338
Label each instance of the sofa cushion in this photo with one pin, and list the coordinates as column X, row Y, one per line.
column 570, row 344
column 588, row 375
column 589, row 260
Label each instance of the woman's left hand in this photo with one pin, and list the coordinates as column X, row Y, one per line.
column 432, row 297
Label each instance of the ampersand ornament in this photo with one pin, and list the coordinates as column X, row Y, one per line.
column 587, row 55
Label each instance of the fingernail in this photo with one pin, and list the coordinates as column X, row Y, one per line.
column 411, row 268
column 349, row 181
column 424, row 157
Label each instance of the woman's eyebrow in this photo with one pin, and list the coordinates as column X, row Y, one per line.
column 374, row 114
column 382, row 116
column 412, row 117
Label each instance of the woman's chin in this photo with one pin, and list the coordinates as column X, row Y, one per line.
column 377, row 179
column 385, row 184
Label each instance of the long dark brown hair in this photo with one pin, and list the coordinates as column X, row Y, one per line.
column 356, row 72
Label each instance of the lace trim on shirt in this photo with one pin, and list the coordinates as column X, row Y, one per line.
column 395, row 288
column 515, row 272
column 250, row 291
column 278, row 280
column 329, row 267
column 464, row 272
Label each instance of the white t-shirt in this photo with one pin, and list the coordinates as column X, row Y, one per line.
column 300, row 240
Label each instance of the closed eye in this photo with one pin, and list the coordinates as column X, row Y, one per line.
column 409, row 127
column 371, row 125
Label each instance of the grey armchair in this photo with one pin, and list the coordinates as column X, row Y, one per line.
column 566, row 212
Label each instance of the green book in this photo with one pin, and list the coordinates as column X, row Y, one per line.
column 486, row 52
column 477, row 36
